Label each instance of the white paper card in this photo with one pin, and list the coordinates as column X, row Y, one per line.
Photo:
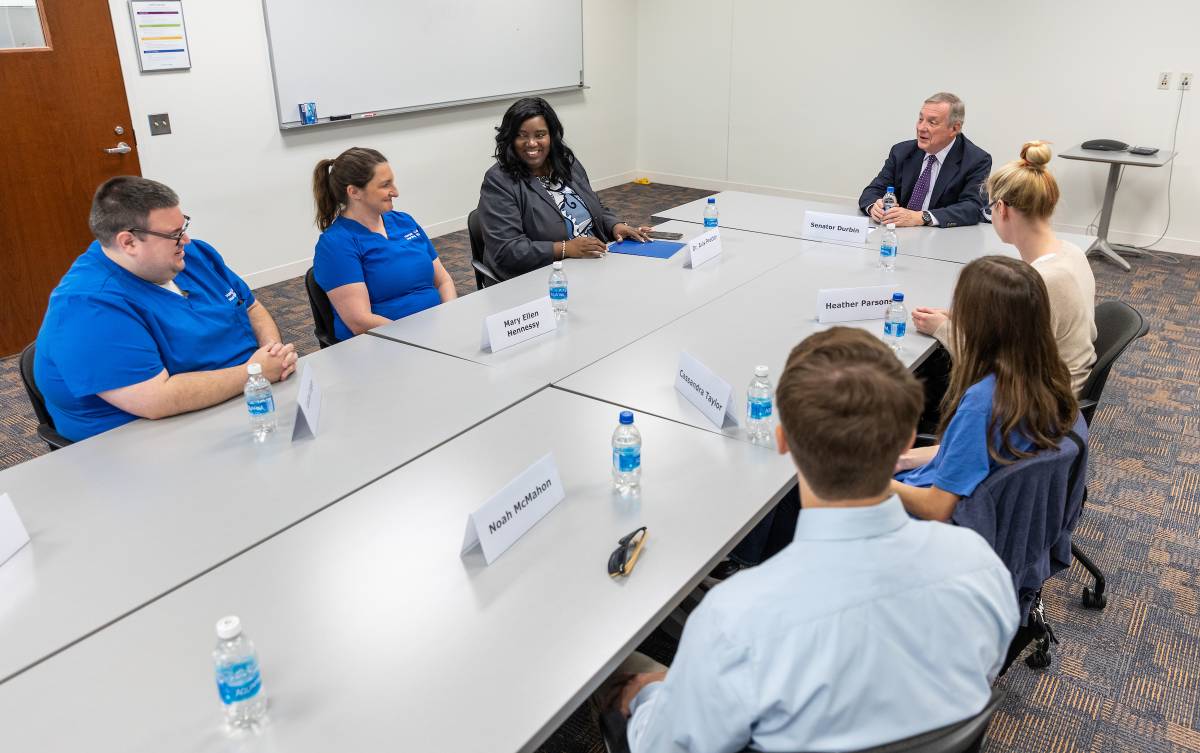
column 705, row 390
column 703, row 248
column 506, row 517
column 308, row 406
column 13, row 535
column 853, row 304
column 840, row 228
column 518, row 324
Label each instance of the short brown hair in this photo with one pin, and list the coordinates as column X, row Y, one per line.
column 848, row 408
column 125, row 202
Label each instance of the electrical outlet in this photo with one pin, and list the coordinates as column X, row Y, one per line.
column 160, row 124
column 1185, row 81
column 1164, row 81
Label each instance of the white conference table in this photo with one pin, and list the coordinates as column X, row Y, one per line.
column 373, row 632
column 777, row 215
column 120, row 519
column 759, row 323
column 613, row 301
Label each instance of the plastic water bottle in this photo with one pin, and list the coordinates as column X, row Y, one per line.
column 759, row 396
column 889, row 199
column 888, row 248
column 627, row 455
column 896, row 322
column 239, row 681
column 710, row 213
column 558, row 290
column 260, row 403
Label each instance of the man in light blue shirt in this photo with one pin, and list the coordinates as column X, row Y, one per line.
column 871, row 626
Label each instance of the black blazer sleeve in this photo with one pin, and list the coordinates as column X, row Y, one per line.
column 966, row 206
column 889, row 175
column 505, row 217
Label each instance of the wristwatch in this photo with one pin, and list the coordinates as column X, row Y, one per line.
column 926, row 217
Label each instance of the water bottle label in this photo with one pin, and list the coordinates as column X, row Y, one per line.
column 894, row 329
column 627, row 459
column 239, row 682
column 558, row 294
column 759, row 408
column 710, row 222
column 887, row 251
column 262, row 406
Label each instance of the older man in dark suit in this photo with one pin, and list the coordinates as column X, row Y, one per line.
column 937, row 176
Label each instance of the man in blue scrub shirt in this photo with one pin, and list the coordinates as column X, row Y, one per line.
column 147, row 322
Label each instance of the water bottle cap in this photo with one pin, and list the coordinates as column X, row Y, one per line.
column 760, row 371
column 891, row 189
column 712, row 199
column 891, row 226
column 558, row 265
column 254, row 368
column 898, row 297
column 229, row 627
column 626, row 417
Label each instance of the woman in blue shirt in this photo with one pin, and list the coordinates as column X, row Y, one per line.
column 1010, row 393
column 375, row 264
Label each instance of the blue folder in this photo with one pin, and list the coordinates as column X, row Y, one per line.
column 657, row 249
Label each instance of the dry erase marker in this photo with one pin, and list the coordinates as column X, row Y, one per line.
column 308, row 113
column 338, row 117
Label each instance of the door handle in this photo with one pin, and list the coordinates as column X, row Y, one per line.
column 120, row 148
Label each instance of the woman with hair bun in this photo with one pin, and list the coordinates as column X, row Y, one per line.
column 1022, row 195
column 375, row 264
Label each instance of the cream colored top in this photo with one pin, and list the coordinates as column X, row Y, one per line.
column 1072, row 290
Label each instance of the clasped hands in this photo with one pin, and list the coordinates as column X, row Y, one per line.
column 278, row 361
column 897, row 215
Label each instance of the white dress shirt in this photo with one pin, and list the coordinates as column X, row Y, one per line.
column 939, row 159
column 870, row 627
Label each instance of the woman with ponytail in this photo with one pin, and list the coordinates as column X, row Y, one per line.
column 375, row 264
column 1022, row 196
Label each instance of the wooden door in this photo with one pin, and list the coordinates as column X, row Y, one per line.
column 60, row 108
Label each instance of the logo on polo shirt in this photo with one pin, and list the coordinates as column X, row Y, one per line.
column 413, row 235
column 231, row 296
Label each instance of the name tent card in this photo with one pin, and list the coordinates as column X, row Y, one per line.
column 13, row 535
column 518, row 324
column 705, row 390
column 853, row 304
column 703, row 248
column 308, row 406
column 839, row 228
column 506, row 517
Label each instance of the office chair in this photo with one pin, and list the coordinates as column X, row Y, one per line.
column 484, row 276
column 322, row 311
column 1117, row 326
column 45, row 428
column 961, row 737
column 1026, row 511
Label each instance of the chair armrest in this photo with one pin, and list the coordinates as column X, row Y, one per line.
column 1088, row 409
column 925, row 440
column 50, row 436
column 484, row 270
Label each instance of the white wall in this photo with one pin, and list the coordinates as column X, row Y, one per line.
column 247, row 185
column 805, row 99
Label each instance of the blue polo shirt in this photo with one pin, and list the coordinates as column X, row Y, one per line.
column 962, row 461
column 107, row 328
column 397, row 270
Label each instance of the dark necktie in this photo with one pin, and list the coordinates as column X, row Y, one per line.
column 918, row 195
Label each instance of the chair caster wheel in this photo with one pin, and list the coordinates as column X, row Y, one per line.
column 1038, row 659
column 1094, row 600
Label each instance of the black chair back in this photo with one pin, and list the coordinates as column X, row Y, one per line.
column 960, row 737
column 45, row 429
column 484, row 275
column 1117, row 325
column 322, row 311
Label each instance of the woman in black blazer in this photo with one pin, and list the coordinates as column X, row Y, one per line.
column 536, row 205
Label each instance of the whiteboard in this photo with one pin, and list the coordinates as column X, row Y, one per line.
column 378, row 57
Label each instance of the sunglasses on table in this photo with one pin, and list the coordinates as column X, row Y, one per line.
column 629, row 548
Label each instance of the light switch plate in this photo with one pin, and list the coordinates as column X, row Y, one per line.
column 160, row 124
